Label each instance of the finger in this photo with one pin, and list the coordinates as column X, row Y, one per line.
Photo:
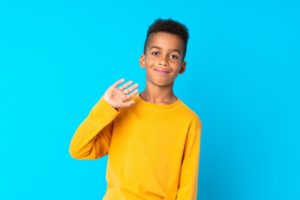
column 128, row 90
column 125, row 85
column 128, row 103
column 132, row 94
column 117, row 83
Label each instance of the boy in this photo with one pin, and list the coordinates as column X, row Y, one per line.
column 152, row 139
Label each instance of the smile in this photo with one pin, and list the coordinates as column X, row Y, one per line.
column 161, row 71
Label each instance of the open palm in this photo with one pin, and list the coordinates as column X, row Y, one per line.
column 121, row 97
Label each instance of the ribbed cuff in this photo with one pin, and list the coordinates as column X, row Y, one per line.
column 103, row 110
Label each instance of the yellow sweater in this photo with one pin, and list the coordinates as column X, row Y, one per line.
column 153, row 150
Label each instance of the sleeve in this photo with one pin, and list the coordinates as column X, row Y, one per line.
column 188, row 182
column 92, row 138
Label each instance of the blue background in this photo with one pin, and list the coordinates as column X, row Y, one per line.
column 58, row 57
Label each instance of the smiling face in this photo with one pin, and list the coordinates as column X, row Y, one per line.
column 163, row 59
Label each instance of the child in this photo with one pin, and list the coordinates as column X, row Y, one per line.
column 152, row 139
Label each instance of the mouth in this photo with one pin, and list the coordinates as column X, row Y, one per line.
column 161, row 71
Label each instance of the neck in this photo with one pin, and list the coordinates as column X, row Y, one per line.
column 158, row 95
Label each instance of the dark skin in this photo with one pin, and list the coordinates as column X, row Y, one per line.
column 163, row 61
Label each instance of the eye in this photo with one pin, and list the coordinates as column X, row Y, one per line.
column 155, row 53
column 175, row 57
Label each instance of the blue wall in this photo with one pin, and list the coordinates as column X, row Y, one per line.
column 58, row 57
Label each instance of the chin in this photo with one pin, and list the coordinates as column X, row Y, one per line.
column 161, row 83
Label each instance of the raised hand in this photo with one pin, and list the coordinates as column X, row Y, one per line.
column 121, row 97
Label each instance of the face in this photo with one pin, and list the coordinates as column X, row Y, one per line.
column 163, row 59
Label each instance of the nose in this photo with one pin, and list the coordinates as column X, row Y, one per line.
column 163, row 61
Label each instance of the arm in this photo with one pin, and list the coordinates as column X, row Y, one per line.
column 92, row 138
column 188, row 183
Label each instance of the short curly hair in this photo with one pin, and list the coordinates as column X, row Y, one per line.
column 168, row 26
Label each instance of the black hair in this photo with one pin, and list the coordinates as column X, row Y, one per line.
column 168, row 26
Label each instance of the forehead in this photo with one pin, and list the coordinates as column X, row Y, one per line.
column 165, row 41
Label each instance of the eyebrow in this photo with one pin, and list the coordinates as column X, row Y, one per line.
column 157, row 47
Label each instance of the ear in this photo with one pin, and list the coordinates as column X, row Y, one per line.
column 142, row 60
column 183, row 66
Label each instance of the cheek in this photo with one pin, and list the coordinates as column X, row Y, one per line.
column 148, row 70
column 177, row 68
column 150, row 62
